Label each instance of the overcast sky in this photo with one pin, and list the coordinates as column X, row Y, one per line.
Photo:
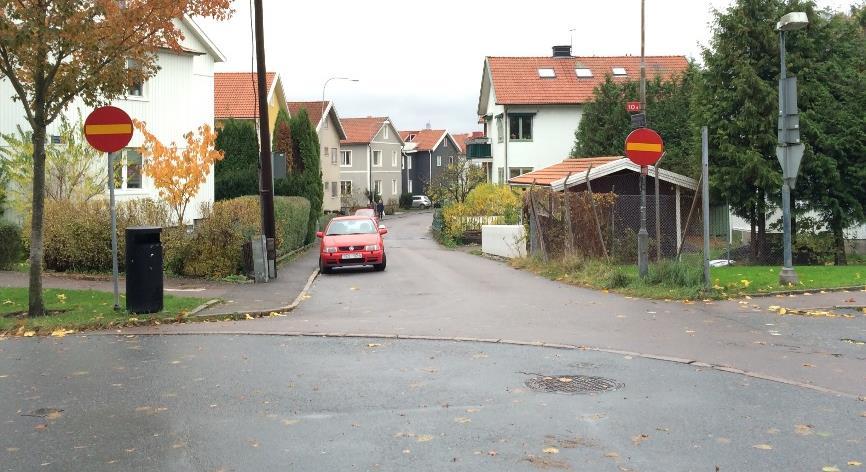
column 421, row 62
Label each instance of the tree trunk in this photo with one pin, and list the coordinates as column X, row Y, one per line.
column 753, row 234
column 36, row 305
column 838, row 238
column 762, row 228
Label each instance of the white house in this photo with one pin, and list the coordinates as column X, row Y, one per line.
column 178, row 99
column 531, row 106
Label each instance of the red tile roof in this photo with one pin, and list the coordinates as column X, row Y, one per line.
column 361, row 130
column 314, row 110
column 461, row 140
column 516, row 80
column 235, row 94
column 425, row 139
column 551, row 174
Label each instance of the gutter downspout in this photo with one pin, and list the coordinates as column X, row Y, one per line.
column 505, row 130
column 430, row 175
column 370, row 169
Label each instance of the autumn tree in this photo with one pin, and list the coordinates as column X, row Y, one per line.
column 53, row 52
column 282, row 141
column 179, row 173
column 456, row 181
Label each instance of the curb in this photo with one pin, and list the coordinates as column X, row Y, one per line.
column 511, row 342
column 294, row 252
column 853, row 288
column 240, row 315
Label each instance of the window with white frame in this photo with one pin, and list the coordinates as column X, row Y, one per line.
column 445, row 142
column 451, row 159
column 520, row 127
column 403, row 163
column 409, row 162
column 385, row 132
column 137, row 88
column 377, row 158
column 409, row 186
column 515, row 171
column 324, row 153
column 334, row 156
column 393, row 158
column 393, row 186
column 501, row 174
column 499, row 133
column 345, row 158
column 345, row 188
column 377, row 187
column 127, row 169
column 438, row 161
column 325, row 122
column 335, row 189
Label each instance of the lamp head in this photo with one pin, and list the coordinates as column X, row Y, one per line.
column 793, row 21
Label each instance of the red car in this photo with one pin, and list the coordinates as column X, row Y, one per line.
column 352, row 241
column 369, row 213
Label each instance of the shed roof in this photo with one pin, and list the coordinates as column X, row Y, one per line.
column 555, row 176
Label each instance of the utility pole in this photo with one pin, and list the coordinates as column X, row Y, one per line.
column 266, row 189
column 642, row 235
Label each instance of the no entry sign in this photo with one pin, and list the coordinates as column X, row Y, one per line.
column 644, row 147
column 108, row 129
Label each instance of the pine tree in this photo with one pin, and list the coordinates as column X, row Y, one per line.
column 306, row 180
column 238, row 173
column 282, row 141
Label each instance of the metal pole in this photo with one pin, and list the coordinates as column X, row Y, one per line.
column 642, row 235
column 658, row 213
column 266, row 188
column 114, row 269
column 787, row 275
column 705, row 201
column 642, row 60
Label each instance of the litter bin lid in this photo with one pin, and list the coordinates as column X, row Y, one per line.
column 144, row 229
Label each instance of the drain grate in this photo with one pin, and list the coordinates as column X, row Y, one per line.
column 572, row 384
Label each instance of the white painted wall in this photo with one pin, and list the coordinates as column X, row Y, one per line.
column 177, row 100
column 503, row 240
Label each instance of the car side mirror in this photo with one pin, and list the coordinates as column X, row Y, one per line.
column 383, row 230
column 320, row 234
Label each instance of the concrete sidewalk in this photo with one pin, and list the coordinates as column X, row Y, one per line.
column 237, row 297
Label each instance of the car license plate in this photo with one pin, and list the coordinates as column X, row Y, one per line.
column 352, row 256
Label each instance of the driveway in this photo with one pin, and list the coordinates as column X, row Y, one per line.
column 435, row 292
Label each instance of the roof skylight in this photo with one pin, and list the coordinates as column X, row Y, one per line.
column 546, row 73
column 583, row 72
column 619, row 71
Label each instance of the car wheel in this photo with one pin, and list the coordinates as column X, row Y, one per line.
column 381, row 267
column 323, row 269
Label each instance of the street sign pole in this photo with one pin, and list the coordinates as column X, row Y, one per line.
column 787, row 275
column 114, row 269
column 644, row 147
column 643, row 235
column 705, row 200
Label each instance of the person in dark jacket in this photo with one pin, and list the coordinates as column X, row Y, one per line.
column 380, row 210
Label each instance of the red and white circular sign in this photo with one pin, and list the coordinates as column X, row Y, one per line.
column 644, row 147
column 108, row 129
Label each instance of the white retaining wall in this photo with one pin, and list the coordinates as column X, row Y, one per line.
column 503, row 240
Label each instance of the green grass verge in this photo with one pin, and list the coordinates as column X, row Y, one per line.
column 81, row 310
column 764, row 279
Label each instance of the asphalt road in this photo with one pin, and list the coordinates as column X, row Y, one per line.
column 431, row 291
column 254, row 403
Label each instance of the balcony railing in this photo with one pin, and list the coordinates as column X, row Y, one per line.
column 478, row 148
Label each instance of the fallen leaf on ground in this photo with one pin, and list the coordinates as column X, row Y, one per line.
column 765, row 447
column 60, row 332
column 551, row 450
column 803, row 429
column 612, row 455
column 40, row 427
column 722, row 440
column 565, row 379
column 855, row 463
column 354, row 289
column 374, row 345
column 462, row 419
column 29, row 334
column 290, row 422
column 247, row 316
column 636, row 440
column 424, row 438
column 829, row 468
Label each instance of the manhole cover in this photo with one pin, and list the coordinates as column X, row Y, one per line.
column 573, row 384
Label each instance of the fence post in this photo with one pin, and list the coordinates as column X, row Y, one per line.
column 658, row 217
column 705, row 169
column 689, row 218
column 534, row 216
column 595, row 215
column 567, row 219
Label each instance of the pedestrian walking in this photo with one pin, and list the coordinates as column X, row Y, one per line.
column 380, row 210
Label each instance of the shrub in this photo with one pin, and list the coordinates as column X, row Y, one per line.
column 485, row 204
column 391, row 206
column 237, row 174
column 675, row 274
column 406, row 201
column 233, row 183
column 10, row 245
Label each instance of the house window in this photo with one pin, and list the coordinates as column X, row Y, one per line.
column 345, row 158
column 377, row 158
column 393, row 186
column 137, row 88
column 501, row 175
column 334, row 189
column 324, row 153
column 499, row 132
column 127, row 169
column 583, row 72
column 403, row 163
column 619, row 72
column 515, row 171
column 56, row 139
column 334, row 156
column 409, row 162
column 410, row 138
column 438, row 161
column 450, row 159
column 345, row 188
column 520, row 127
column 393, row 158
column 377, row 187
column 445, row 142
column 325, row 123
column 409, row 186
column 385, row 133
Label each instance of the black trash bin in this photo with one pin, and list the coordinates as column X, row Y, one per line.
column 143, row 269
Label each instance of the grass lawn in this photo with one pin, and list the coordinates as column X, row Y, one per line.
column 757, row 279
column 79, row 310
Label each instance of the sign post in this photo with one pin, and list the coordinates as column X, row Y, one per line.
column 644, row 147
column 109, row 129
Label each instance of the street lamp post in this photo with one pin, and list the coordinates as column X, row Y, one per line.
column 326, row 85
column 789, row 150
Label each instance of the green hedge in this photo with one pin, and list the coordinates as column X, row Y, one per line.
column 82, row 242
column 10, row 245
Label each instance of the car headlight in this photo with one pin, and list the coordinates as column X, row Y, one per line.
column 330, row 250
column 371, row 247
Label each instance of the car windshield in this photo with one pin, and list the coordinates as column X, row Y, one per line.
column 365, row 212
column 343, row 227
